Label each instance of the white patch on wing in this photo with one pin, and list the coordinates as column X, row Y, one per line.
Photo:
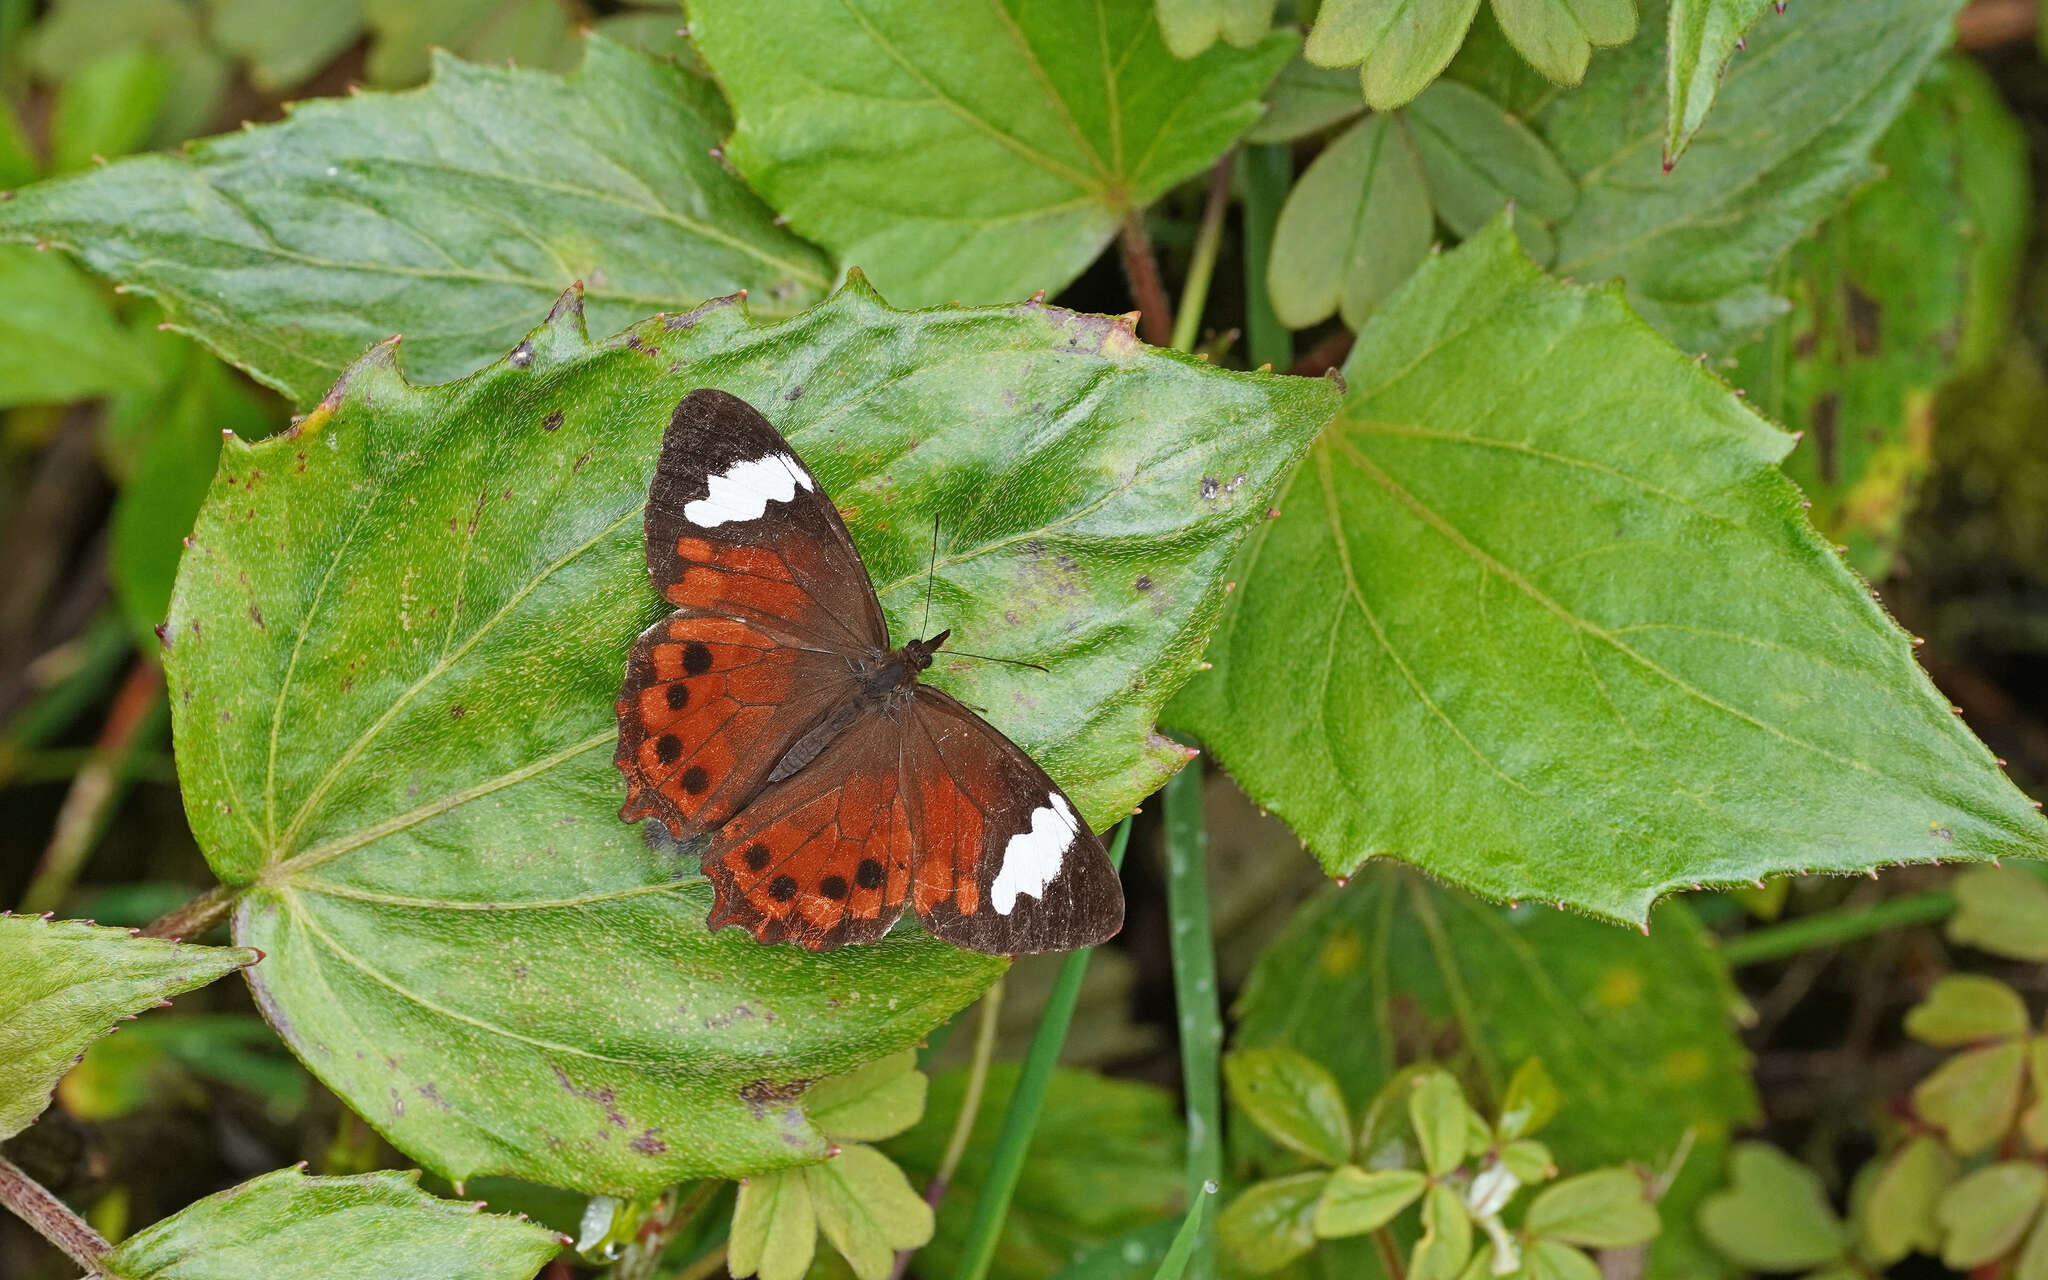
column 745, row 491
column 1033, row 857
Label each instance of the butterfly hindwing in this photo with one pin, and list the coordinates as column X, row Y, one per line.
column 710, row 706
column 822, row 858
column 1004, row 862
column 738, row 526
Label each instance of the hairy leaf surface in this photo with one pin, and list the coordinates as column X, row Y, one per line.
column 397, row 641
column 1542, row 617
column 287, row 1226
column 452, row 214
column 977, row 158
column 65, row 983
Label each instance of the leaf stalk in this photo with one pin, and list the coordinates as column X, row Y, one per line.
column 52, row 1218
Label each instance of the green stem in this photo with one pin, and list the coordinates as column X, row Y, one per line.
column 1832, row 928
column 1194, row 295
column 1194, row 993
column 1263, row 172
column 1020, row 1120
column 970, row 1110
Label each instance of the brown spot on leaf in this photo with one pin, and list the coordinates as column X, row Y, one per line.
column 552, row 422
column 761, row 1095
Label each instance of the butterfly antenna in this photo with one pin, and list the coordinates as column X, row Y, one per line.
column 925, row 627
column 1008, row 662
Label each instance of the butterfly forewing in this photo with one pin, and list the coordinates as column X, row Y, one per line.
column 771, row 602
column 709, row 707
column 1005, row 864
column 738, row 526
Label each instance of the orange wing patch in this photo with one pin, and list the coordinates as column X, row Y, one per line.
column 706, row 703
column 819, row 864
column 952, row 842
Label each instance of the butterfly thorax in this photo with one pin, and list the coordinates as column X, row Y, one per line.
column 891, row 681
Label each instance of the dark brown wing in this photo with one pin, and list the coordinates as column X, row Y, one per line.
column 738, row 527
column 1004, row 862
column 822, row 857
column 773, row 609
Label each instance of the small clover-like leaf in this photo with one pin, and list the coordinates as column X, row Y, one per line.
column 866, row 1208
column 1293, row 1098
column 287, row 1226
column 1272, row 1223
column 66, row 983
column 1604, row 1209
column 1437, row 1109
column 870, row 1103
column 2034, row 1123
column 1898, row 1217
column 1964, row 1008
column 1531, row 1101
column 1399, row 45
column 1555, row 1260
column 1479, row 159
column 1306, row 99
column 1446, row 1242
column 1983, row 1215
column 1191, row 26
column 1558, row 36
column 1530, row 1161
column 774, row 1227
column 1774, row 1214
column 1355, row 225
column 1972, row 1096
column 1356, row 1200
column 2003, row 910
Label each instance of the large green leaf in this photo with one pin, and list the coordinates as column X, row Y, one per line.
column 1542, row 617
column 287, row 1226
column 980, row 157
column 1909, row 285
column 1704, row 35
column 1105, row 1160
column 1790, row 133
column 396, row 644
column 64, row 984
column 1635, row 1030
column 451, row 214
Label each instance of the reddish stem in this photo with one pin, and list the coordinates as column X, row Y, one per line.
column 51, row 1217
column 1148, row 289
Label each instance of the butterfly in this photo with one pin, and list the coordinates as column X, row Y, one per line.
column 770, row 710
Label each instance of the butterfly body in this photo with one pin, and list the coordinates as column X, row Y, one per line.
column 770, row 711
